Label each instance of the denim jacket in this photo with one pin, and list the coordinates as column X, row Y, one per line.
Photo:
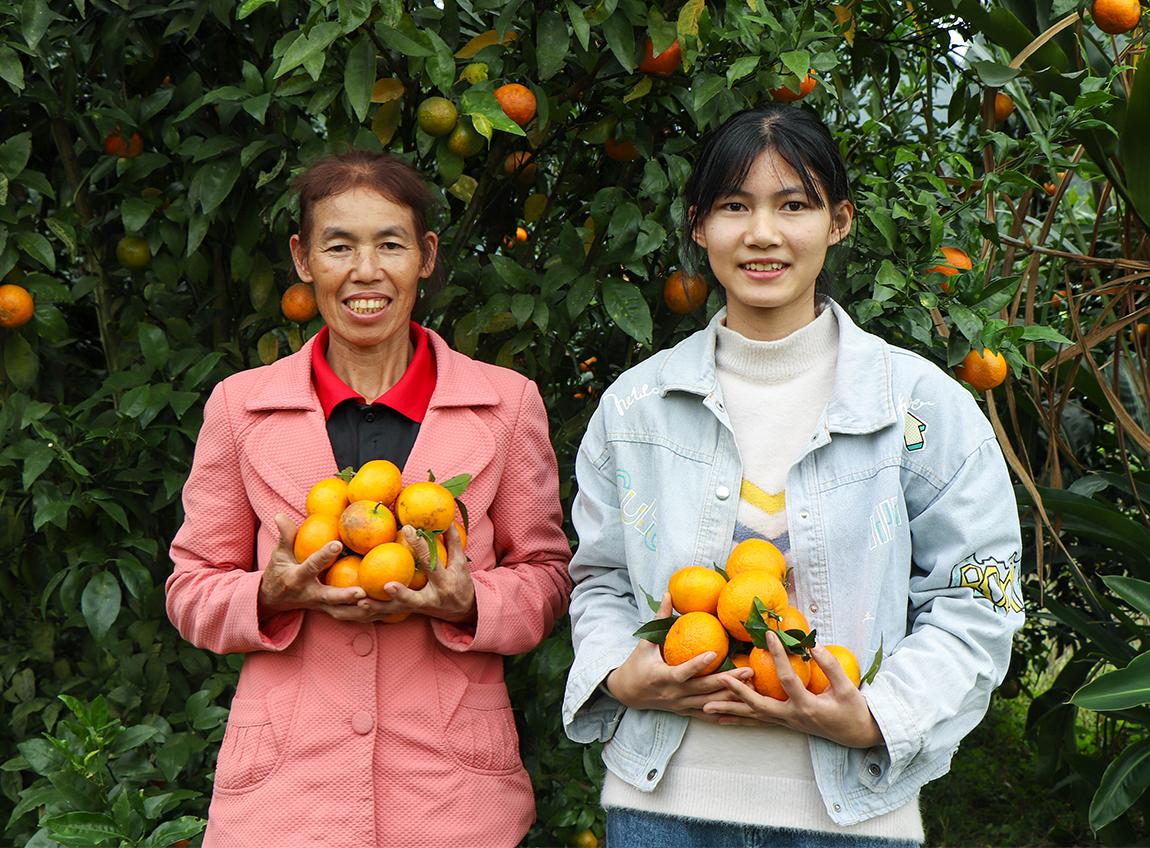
column 904, row 537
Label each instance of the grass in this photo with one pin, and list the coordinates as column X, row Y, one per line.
column 992, row 797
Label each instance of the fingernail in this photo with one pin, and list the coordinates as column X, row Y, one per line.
column 334, row 547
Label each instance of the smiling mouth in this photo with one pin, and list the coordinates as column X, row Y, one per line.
column 764, row 266
column 367, row 306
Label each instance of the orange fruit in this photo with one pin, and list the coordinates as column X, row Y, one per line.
column 819, row 681
column 620, row 151
column 133, row 253
column 695, row 589
column 1049, row 188
column 465, row 140
column 793, row 619
column 738, row 596
column 983, row 371
column 693, row 634
column 128, row 148
column 585, row 839
column 395, row 617
column 517, row 101
column 462, row 535
column 751, row 554
column 343, row 573
column 1003, row 107
column 437, row 116
column 426, row 506
column 684, row 294
column 378, row 480
column 328, row 496
column 315, row 532
column 1116, row 16
column 663, row 65
column 298, row 303
column 365, row 524
column 789, row 95
column 515, row 161
column 766, row 675
column 384, row 564
column 956, row 260
column 16, row 306
column 741, row 660
column 419, row 580
column 1058, row 298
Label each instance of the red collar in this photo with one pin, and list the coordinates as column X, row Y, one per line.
column 409, row 397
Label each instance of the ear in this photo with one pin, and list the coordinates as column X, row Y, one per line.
column 299, row 258
column 698, row 236
column 841, row 218
column 430, row 254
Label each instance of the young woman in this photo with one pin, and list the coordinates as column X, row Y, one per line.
column 869, row 468
column 345, row 730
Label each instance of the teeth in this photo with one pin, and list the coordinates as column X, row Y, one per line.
column 764, row 266
column 364, row 305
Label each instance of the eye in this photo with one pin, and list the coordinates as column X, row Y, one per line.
column 794, row 206
column 337, row 248
column 732, row 206
column 392, row 245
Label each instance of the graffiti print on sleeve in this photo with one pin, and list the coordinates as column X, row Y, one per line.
column 994, row 579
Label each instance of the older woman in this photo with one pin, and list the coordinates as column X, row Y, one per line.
column 344, row 730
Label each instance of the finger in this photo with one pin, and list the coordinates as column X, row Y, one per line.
column 713, row 682
column 321, row 559
column 455, row 554
column 410, row 598
column 748, row 695
column 338, row 596
column 287, row 530
column 739, row 709
column 833, row 669
column 665, row 607
column 783, row 668
column 693, row 667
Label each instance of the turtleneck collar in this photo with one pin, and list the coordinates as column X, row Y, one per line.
column 780, row 360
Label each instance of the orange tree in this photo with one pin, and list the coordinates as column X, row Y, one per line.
column 145, row 162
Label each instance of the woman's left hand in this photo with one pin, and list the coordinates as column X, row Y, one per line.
column 449, row 593
column 839, row 713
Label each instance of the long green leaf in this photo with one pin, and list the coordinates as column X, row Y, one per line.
column 1118, row 690
column 1132, row 590
column 1124, row 782
column 628, row 309
column 1134, row 143
column 552, row 43
column 359, row 76
column 1096, row 520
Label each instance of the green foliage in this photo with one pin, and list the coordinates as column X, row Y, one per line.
column 102, row 390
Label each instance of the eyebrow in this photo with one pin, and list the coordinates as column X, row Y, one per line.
column 387, row 232
column 785, row 191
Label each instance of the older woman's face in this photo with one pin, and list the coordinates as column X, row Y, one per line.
column 365, row 261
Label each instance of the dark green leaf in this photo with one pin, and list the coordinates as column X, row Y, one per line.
column 20, row 362
column 1134, row 142
column 656, row 629
column 1125, row 780
column 551, row 45
column 359, row 76
column 620, row 39
column 1118, row 690
column 35, row 17
column 213, row 182
column 249, row 6
column 1135, row 592
column 994, row 74
column 11, row 68
column 578, row 23
column 38, row 247
column 100, row 603
column 458, row 484
column 875, row 665
column 627, row 308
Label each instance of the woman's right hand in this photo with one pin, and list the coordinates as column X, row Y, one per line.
column 291, row 585
column 644, row 681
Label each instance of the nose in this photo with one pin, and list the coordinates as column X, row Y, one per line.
column 762, row 230
column 367, row 264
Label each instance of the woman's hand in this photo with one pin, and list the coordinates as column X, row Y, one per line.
column 839, row 713
column 644, row 681
column 449, row 594
column 291, row 585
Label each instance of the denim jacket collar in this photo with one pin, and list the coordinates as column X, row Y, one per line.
column 861, row 398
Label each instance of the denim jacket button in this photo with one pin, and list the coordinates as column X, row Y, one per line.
column 838, row 808
column 651, row 774
column 875, row 769
column 813, row 607
column 804, row 515
column 722, row 493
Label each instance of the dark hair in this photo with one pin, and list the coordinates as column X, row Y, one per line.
column 796, row 135
column 339, row 172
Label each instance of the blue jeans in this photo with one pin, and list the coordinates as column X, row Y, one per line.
column 634, row 829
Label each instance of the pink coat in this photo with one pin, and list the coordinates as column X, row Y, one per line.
column 347, row 734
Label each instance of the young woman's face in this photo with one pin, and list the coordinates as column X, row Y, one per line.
column 766, row 244
column 365, row 261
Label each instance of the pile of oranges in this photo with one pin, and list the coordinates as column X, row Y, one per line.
column 364, row 512
column 730, row 611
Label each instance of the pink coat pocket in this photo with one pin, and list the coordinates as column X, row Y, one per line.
column 478, row 723
column 256, row 738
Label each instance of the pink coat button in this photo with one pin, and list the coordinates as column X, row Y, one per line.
column 362, row 722
column 362, row 644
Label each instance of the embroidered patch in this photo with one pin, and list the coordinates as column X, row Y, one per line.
column 636, row 514
column 913, row 432
column 883, row 519
column 994, row 579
